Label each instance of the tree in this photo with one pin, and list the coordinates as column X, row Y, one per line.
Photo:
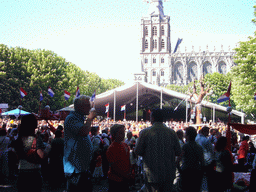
column 244, row 74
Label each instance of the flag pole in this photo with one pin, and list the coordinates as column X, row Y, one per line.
column 228, row 134
column 125, row 113
column 108, row 111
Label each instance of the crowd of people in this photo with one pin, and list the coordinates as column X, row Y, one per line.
column 162, row 156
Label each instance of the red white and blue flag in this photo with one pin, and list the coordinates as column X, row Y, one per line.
column 23, row 93
column 225, row 96
column 50, row 92
column 123, row 107
column 66, row 95
column 41, row 96
column 77, row 92
column 107, row 108
column 93, row 96
column 255, row 96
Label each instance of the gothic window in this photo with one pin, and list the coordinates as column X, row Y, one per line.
column 154, row 44
column 162, row 60
column 154, row 60
column 162, row 30
column 192, row 72
column 178, row 73
column 207, row 68
column 162, row 43
column 146, row 44
column 146, row 31
column 154, row 73
column 146, row 60
column 154, row 30
column 162, row 73
column 222, row 68
column 146, row 73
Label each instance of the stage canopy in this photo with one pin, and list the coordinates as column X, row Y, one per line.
column 140, row 95
column 15, row 112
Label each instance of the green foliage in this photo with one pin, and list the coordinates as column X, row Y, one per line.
column 36, row 70
column 219, row 85
column 244, row 75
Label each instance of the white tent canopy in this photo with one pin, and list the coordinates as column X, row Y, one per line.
column 139, row 94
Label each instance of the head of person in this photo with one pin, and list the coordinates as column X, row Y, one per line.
column 58, row 133
column 180, row 134
column 82, row 104
column 157, row 115
column 117, row 132
column 190, row 133
column 60, row 127
column 221, row 143
column 205, row 131
column 246, row 138
column 28, row 125
column 213, row 132
column 129, row 135
column 95, row 130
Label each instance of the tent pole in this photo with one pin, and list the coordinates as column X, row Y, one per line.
column 114, row 106
column 137, row 101
column 213, row 114
column 161, row 99
column 186, row 110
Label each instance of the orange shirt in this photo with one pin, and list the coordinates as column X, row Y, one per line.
column 118, row 155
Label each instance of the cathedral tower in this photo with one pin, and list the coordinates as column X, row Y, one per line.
column 155, row 44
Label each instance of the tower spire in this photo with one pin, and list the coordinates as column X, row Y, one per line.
column 156, row 8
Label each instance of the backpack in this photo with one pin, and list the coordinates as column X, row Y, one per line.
column 32, row 156
column 102, row 144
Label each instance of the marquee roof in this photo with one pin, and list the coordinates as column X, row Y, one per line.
column 148, row 94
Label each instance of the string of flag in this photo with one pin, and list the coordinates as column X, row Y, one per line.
column 67, row 94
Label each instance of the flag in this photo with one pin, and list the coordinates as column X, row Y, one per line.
column 77, row 92
column 41, row 96
column 66, row 95
column 177, row 45
column 107, row 108
column 93, row 96
column 23, row 93
column 123, row 108
column 255, row 96
column 225, row 96
column 51, row 93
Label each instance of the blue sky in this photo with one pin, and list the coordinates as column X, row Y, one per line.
column 103, row 36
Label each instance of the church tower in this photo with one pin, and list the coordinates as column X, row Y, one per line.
column 155, row 44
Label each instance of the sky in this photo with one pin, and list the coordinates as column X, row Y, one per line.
column 103, row 36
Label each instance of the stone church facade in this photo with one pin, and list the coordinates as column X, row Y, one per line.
column 160, row 66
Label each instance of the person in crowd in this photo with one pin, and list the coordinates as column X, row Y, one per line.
column 96, row 142
column 105, row 165
column 29, row 178
column 180, row 135
column 252, row 149
column 224, row 164
column 4, row 168
column 98, row 172
column 56, row 160
column 212, row 136
column 242, row 153
column 129, row 139
column 158, row 145
column 134, row 167
column 201, row 139
column 192, row 157
column 118, row 155
column 78, row 147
